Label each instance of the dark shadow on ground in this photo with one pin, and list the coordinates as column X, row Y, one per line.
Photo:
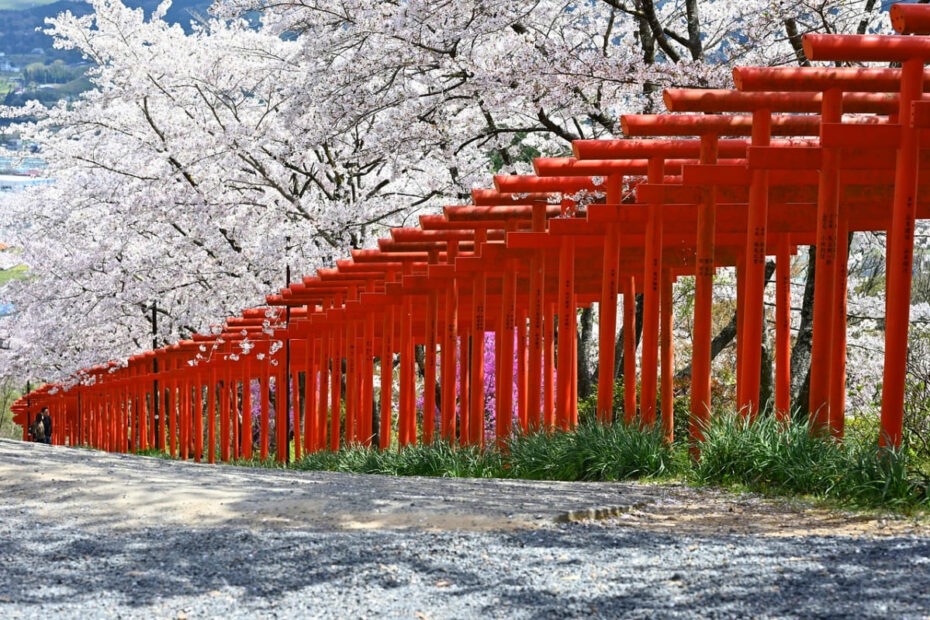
column 573, row 569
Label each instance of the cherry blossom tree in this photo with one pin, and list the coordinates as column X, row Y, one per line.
column 288, row 133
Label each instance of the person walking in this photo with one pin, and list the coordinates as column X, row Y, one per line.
column 47, row 425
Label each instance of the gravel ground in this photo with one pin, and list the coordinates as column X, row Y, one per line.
column 126, row 537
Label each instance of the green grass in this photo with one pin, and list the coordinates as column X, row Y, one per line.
column 766, row 456
column 591, row 452
column 594, row 452
column 771, row 457
column 438, row 459
column 161, row 454
column 13, row 273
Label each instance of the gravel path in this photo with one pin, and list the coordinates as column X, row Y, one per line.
column 126, row 537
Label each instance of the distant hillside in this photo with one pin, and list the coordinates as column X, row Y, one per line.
column 19, row 5
column 18, row 27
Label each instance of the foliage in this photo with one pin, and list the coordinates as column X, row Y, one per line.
column 587, row 407
column 48, row 94
column 17, row 272
column 681, row 410
column 437, row 459
column 771, row 456
column 917, row 400
column 205, row 160
column 766, row 456
column 592, row 452
column 9, row 392
column 55, row 73
column 159, row 454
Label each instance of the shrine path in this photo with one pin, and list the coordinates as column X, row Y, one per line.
column 90, row 534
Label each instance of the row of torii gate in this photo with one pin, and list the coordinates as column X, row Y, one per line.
column 793, row 156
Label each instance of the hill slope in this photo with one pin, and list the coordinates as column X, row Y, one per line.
column 19, row 21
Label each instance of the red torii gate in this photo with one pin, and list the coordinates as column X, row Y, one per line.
column 569, row 234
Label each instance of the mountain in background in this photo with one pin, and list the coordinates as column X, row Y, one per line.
column 32, row 69
column 19, row 20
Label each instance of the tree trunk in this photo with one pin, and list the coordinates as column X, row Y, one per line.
column 794, row 38
column 419, row 355
column 618, row 345
column 728, row 333
column 801, row 353
column 767, row 380
column 648, row 45
column 584, row 349
column 694, row 30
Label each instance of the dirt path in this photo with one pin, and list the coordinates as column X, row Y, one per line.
column 129, row 491
column 124, row 536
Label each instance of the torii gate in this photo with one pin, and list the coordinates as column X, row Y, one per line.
column 540, row 246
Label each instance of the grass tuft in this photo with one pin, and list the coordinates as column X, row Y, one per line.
column 788, row 459
column 593, row 452
column 438, row 459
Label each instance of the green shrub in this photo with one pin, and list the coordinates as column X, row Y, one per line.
column 770, row 456
column 877, row 476
column 587, row 407
column 436, row 459
column 159, row 454
column 543, row 455
column 321, row 461
column 442, row 459
column 682, row 419
column 592, row 452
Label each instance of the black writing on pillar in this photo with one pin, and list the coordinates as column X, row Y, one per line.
column 908, row 258
column 786, row 282
column 827, row 249
column 537, row 317
column 705, row 266
column 758, row 245
column 567, row 305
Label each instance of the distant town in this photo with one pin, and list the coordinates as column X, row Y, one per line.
column 26, row 77
column 20, row 169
